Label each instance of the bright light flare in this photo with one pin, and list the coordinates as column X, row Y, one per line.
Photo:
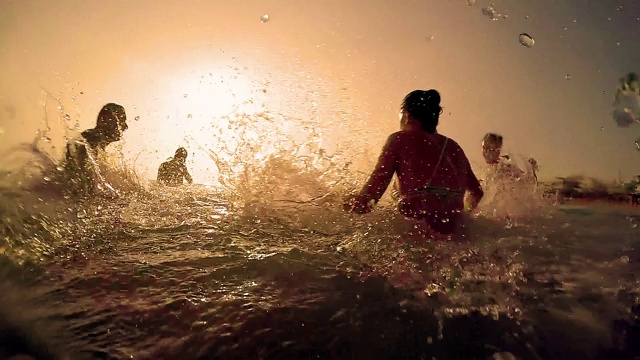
column 188, row 112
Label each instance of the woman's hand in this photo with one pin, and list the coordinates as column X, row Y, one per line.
column 358, row 204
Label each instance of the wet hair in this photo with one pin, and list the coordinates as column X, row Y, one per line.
column 423, row 106
column 493, row 139
column 111, row 109
column 180, row 152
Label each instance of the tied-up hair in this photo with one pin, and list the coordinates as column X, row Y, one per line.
column 423, row 106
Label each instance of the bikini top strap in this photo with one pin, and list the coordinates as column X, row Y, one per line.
column 435, row 169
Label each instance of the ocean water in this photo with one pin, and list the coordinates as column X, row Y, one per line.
column 270, row 267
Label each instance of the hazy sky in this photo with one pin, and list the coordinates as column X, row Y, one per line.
column 342, row 64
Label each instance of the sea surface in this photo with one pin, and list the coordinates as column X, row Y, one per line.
column 208, row 272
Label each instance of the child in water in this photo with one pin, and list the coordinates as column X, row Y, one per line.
column 174, row 171
column 499, row 164
column 81, row 164
column 433, row 171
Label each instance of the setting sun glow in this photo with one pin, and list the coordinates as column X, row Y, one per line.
column 190, row 110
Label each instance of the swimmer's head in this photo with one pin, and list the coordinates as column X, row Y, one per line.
column 491, row 147
column 112, row 122
column 631, row 77
column 422, row 106
column 181, row 154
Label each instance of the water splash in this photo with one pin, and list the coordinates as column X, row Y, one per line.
column 526, row 40
column 491, row 12
column 626, row 102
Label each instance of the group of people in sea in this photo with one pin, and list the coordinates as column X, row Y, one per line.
column 435, row 181
column 81, row 166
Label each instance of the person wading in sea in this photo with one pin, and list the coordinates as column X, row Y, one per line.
column 173, row 172
column 433, row 170
column 81, row 161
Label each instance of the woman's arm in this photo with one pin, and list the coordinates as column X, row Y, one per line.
column 378, row 181
column 472, row 183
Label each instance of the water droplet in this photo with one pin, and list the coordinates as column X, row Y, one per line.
column 624, row 117
column 567, row 77
column 574, row 21
column 609, row 18
column 471, row 2
column 185, row 96
column 526, row 17
column 564, row 28
column 618, row 43
column 264, row 18
column 67, row 117
column 619, row 8
column 430, row 38
column 601, row 128
column 491, row 12
column 136, row 118
column 638, row 143
column 233, row 59
column 46, row 139
column 46, row 178
column 526, row 40
column 59, row 168
column 81, row 92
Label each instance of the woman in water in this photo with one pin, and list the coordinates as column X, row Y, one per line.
column 433, row 171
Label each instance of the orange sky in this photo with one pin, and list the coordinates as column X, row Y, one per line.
column 331, row 62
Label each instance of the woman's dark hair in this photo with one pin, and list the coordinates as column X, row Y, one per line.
column 423, row 106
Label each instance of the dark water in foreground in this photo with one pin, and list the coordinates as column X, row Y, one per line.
column 184, row 274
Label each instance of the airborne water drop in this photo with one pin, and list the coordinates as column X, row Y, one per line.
column 526, row 40
column 264, row 18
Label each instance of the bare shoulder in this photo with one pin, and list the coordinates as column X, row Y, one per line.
column 394, row 136
column 454, row 144
column 393, row 139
